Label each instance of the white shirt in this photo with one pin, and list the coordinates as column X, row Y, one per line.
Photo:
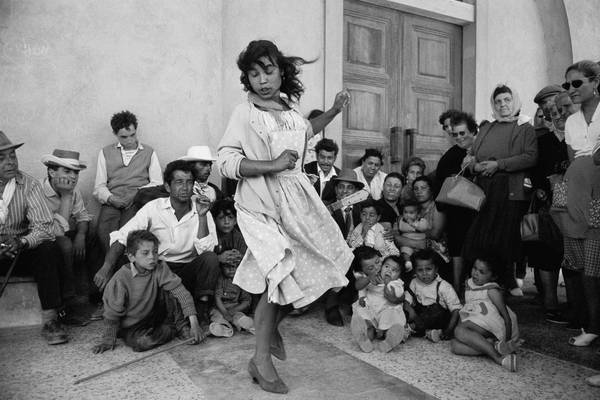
column 178, row 241
column 580, row 136
column 376, row 186
column 323, row 179
column 426, row 294
column 101, row 191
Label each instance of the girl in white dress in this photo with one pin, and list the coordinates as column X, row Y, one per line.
column 487, row 325
column 296, row 251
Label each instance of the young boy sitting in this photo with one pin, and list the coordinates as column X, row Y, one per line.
column 231, row 302
column 431, row 303
column 370, row 232
column 70, row 220
column 140, row 300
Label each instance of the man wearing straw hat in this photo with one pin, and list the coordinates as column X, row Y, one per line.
column 26, row 236
column 71, row 218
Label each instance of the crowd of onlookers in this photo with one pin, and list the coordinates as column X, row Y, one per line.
column 162, row 258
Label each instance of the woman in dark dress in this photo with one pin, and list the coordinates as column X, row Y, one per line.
column 504, row 151
column 462, row 129
column 389, row 203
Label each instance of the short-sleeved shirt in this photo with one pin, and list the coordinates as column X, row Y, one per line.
column 427, row 294
column 580, row 136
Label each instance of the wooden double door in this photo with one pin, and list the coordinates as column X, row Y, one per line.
column 402, row 71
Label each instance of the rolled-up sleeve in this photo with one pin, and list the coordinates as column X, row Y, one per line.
column 208, row 242
column 229, row 151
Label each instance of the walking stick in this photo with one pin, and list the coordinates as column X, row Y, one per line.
column 10, row 270
column 106, row 371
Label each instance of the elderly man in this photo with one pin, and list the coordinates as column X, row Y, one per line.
column 186, row 233
column 26, row 238
column 201, row 159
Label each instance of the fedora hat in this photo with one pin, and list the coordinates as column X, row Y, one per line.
column 348, row 175
column 6, row 144
column 63, row 158
column 198, row 153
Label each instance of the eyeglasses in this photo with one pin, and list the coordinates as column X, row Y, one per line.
column 446, row 127
column 576, row 83
column 455, row 134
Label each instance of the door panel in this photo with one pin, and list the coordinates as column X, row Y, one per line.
column 402, row 70
column 431, row 81
column 370, row 75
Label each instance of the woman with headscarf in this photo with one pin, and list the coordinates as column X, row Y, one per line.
column 503, row 152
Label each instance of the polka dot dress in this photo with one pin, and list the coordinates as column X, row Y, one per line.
column 301, row 254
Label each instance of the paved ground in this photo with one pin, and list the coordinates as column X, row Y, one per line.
column 323, row 363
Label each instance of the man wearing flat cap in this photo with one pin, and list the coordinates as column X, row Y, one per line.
column 71, row 219
column 27, row 239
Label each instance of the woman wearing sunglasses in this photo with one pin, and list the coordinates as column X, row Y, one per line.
column 504, row 150
column 582, row 242
column 462, row 130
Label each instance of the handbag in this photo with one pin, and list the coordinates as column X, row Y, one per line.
column 459, row 191
column 530, row 227
column 559, row 192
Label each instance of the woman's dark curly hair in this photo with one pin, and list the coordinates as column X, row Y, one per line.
column 467, row 119
column 289, row 67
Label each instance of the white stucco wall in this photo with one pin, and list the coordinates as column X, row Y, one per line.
column 296, row 27
column 584, row 24
column 67, row 66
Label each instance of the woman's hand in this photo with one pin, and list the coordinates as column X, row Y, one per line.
column 286, row 160
column 341, row 101
column 489, row 168
column 468, row 160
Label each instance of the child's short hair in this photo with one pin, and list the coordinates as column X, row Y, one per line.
column 410, row 203
column 494, row 262
column 224, row 206
column 395, row 259
column 425, row 255
column 370, row 203
column 123, row 119
column 134, row 238
column 362, row 253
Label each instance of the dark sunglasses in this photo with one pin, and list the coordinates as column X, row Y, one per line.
column 576, row 83
column 455, row 134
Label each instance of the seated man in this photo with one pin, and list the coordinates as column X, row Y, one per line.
column 71, row 219
column 323, row 169
column 26, row 237
column 122, row 169
column 345, row 184
column 186, row 233
column 201, row 160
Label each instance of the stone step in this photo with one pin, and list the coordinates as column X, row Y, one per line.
column 20, row 304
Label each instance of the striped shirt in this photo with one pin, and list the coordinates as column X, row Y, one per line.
column 28, row 213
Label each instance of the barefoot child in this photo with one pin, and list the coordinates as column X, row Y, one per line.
column 231, row 303
column 487, row 326
column 370, row 232
column 431, row 303
column 144, row 302
column 378, row 313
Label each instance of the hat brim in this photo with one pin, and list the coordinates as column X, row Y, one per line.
column 358, row 184
column 189, row 158
column 51, row 160
column 11, row 146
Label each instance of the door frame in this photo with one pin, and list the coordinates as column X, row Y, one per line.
column 455, row 12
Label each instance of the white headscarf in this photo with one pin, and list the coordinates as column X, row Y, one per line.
column 515, row 114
